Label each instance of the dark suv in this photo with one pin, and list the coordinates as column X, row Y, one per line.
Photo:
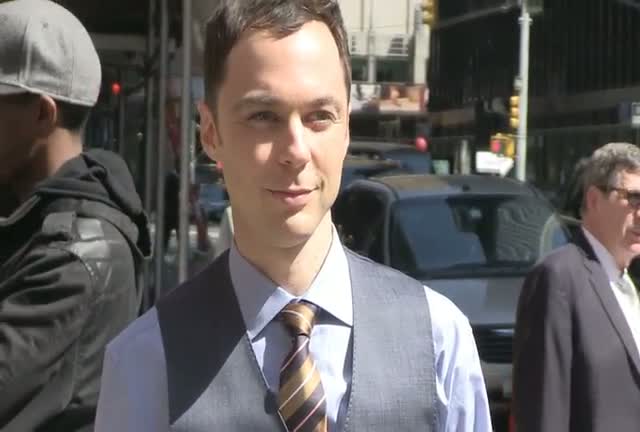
column 471, row 238
column 409, row 158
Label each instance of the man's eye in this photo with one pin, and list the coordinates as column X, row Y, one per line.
column 263, row 116
column 634, row 198
column 320, row 118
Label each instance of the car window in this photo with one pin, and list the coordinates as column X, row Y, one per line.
column 359, row 218
column 413, row 161
column 213, row 192
column 452, row 236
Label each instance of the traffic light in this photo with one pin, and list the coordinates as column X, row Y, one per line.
column 503, row 144
column 514, row 112
column 429, row 11
column 116, row 88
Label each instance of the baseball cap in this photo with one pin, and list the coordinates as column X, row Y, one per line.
column 44, row 49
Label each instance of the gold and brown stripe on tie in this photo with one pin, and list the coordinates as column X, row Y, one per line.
column 301, row 399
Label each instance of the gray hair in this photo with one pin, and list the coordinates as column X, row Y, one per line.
column 605, row 165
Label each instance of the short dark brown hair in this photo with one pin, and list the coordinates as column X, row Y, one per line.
column 71, row 117
column 232, row 18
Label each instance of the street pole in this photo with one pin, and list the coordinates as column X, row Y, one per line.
column 149, row 103
column 149, row 124
column 421, row 37
column 185, row 140
column 371, row 43
column 162, row 147
column 522, row 85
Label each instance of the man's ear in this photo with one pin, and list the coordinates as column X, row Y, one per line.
column 208, row 131
column 47, row 116
column 591, row 197
column 347, row 129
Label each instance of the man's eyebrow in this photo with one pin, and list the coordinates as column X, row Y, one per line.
column 256, row 100
column 265, row 100
column 327, row 101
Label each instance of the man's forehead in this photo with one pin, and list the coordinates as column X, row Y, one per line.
column 629, row 178
column 300, row 65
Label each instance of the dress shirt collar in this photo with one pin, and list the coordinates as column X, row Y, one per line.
column 604, row 256
column 260, row 299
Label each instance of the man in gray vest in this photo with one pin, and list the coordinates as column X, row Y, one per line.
column 288, row 330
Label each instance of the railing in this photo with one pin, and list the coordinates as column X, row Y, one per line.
column 385, row 45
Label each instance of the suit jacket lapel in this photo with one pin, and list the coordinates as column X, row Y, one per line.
column 600, row 284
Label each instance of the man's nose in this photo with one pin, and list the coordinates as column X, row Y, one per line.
column 296, row 151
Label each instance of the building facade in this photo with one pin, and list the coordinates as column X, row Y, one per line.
column 584, row 76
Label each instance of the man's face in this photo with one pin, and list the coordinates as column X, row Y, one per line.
column 618, row 214
column 281, row 131
column 16, row 135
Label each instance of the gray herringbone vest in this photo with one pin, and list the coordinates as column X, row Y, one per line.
column 215, row 383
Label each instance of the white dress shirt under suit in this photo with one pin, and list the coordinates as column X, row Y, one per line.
column 134, row 384
column 621, row 284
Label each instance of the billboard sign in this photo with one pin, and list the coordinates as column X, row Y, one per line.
column 388, row 98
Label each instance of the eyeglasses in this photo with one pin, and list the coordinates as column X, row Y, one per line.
column 632, row 196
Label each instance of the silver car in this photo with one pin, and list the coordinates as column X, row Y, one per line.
column 471, row 238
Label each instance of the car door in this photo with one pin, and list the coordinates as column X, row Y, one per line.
column 360, row 217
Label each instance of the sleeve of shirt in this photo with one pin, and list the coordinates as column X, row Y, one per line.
column 113, row 405
column 133, row 394
column 462, row 400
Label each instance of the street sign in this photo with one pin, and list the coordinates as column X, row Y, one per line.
column 491, row 163
column 635, row 114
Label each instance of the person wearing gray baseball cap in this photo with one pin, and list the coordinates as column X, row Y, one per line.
column 73, row 234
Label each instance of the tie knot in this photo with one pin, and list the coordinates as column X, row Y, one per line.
column 299, row 317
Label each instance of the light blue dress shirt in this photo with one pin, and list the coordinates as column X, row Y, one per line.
column 134, row 384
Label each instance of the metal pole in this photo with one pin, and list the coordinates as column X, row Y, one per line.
column 521, row 149
column 148, row 151
column 185, row 140
column 149, row 94
column 162, row 145
column 371, row 43
column 122, row 104
column 465, row 157
column 420, row 47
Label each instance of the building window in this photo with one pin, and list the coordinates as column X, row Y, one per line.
column 358, row 69
column 392, row 70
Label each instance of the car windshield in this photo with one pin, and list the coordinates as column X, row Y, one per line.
column 472, row 235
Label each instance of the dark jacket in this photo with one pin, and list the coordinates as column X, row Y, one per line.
column 70, row 260
column 576, row 365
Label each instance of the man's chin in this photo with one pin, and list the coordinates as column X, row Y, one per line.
column 300, row 227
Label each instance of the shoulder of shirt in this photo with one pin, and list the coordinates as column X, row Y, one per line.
column 446, row 317
column 141, row 338
column 443, row 311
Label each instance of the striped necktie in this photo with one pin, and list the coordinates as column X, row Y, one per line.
column 301, row 399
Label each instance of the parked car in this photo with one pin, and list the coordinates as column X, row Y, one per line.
column 411, row 159
column 213, row 199
column 470, row 238
column 359, row 167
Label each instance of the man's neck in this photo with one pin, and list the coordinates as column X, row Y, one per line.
column 47, row 159
column 621, row 261
column 294, row 268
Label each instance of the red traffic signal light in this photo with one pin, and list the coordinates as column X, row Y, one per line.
column 422, row 144
column 116, row 89
column 496, row 145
